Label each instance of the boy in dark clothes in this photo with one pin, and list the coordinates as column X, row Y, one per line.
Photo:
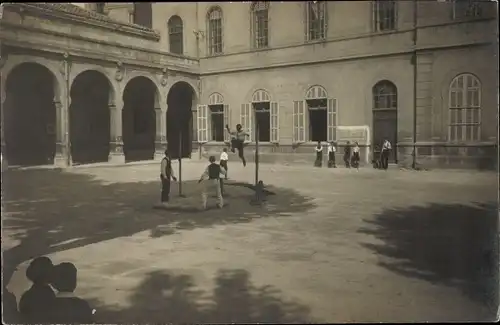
column 166, row 173
column 237, row 140
column 347, row 154
column 211, row 178
column 319, row 155
column 69, row 309
column 36, row 303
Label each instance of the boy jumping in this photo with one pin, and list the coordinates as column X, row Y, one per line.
column 237, row 140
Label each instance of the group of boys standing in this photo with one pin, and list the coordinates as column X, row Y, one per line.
column 214, row 173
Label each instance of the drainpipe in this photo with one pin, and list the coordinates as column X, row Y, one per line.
column 66, row 113
column 414, row 61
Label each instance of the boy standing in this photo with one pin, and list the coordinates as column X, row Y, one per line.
column 331, row 155
column 166, row 174
column 386, row 148
column 211, row 176
column 224, row 157
column 237, row 139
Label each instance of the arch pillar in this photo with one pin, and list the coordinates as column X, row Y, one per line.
column 116, row 154
column 161, row 131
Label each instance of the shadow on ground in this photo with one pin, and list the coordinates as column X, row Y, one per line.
column 164, row 297
column 47, row 211
column 453, row 245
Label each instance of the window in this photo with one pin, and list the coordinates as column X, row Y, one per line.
column 384, row 14
column 385, row 96
column 260, row 24
column 99, row 8
column 175, row 36
column 466, row 9
column 215, row 31
column 143, row 14
column 465, row 109
column 320, row 122
column 316, row 20
column 219, row 117
column 261, row 118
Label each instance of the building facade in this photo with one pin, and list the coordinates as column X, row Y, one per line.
column 130, row 79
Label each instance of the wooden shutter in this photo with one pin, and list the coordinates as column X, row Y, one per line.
column 274, row 122
column 246, row 119
column 332, row 119
column 202, row 123
column 299, row 125
column 227, row 121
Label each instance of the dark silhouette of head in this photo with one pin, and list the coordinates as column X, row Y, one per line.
column 238, row 127
column 211, row 159
column 348, row 142
column 40, row 269
column 356, row 143
column 319, row 143
column 166, row 152
column 64, row 277
column 225, row 149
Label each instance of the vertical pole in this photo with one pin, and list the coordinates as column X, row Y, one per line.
column 414, row 61
column 180, row 162
column 256, row 150
column 67, row 122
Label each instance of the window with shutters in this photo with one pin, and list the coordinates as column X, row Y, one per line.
column 215, row 42
column 217, row 111
column 465, row 109
column 265, row 116
column 332, row 120
column 175, row 35
column 462, row 9
column 274, row 122
column 316, row 20
column 384, row 15
column 260, row 24
column 202, row 123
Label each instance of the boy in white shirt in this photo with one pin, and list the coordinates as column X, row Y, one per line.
column 224, row 157
column 386, row 148
column 331, row 155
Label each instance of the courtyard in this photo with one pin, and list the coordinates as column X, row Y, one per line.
column 332, row 245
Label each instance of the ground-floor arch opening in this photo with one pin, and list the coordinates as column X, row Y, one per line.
column 89, row 118
column 30, row 115
column 140, row 98
column 180, row 101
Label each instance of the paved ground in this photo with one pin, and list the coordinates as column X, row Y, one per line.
column 331, row 245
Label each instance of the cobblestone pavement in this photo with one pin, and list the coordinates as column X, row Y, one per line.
column 332, row 245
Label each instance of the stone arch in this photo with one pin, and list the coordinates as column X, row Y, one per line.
column 30, row 123
column 77, row 70
column 181, row 102
column 140, row 102
column 316, row 92
column 215, row 99
column 194, row 84
column 91, row 94
column 260, row 96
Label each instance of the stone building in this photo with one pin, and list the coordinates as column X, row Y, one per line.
column 121, row 81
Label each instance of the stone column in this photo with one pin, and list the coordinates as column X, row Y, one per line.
column 62, row 155
column 161, row 132
column 116, row 140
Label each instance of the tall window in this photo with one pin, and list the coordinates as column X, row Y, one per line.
column 99, row 7
column 384, row 15
column 466, row 9
column 260, row 23
column 143, row 14
column 465, row 109
column 215, row 31
column 218, row 117
column 175, row 37
column 385, row 96
column 316, row 20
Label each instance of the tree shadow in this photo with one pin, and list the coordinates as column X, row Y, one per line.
column 163, row 297
column 454, row 245
column 45, row 211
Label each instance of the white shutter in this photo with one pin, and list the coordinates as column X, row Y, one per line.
column 299, row 134
column 202, row 123
column 332, row 119
column 246, row 119
column 227, row 121
column 274, row 122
